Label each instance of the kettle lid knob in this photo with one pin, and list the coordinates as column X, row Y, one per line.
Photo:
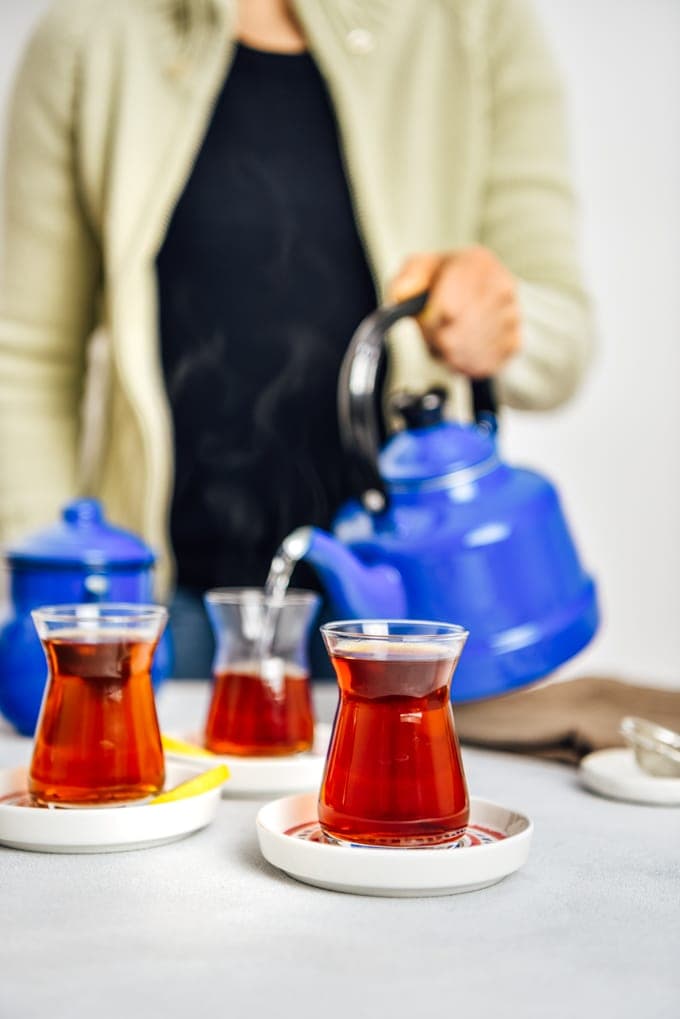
column 421, row 410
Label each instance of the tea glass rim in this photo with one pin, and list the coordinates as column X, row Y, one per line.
column 108, row 613
column 97, row 621
column 235, row 596
column 422, row 630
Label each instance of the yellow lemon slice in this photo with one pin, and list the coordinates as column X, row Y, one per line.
column 179, row 746
column 194, row 786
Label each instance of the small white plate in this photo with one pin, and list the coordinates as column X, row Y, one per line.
column 257, row 776
column 496, row 845
column 615, row 773
column 102, row 829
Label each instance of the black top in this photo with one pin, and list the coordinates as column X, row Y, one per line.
column 262, row 281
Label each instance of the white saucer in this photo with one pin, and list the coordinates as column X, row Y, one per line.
column 497, row 844
column 102, row 829
column 256, row 776
column 616, row 773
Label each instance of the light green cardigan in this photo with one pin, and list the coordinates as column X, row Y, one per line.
column 451, row 123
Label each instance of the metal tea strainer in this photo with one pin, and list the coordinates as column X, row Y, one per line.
column 657, row 749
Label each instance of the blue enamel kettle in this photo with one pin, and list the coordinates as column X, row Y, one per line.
column 445, row 530
column 82, row 558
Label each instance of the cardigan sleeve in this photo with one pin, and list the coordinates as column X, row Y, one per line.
column 48, row 285
column 529, row 215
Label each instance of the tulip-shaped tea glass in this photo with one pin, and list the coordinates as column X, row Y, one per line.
column 97, row 739
column 394, row 775
column 261, row 702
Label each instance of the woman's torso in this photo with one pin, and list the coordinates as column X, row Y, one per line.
column 262, row 281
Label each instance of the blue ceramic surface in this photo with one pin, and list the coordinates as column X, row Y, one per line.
column 82, row 558
column 82, row 538
column 465, row 539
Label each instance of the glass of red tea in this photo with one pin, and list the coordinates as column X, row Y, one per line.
column 97, row 740
column 261, row 703
column 394, row 775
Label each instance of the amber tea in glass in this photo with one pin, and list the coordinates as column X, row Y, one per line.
column 97, row 739
column 261, row 703
column 394, row 774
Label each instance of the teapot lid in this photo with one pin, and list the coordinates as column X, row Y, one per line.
column 83, row 537
column 430, row 447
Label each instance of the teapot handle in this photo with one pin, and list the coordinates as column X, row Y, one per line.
column 356, row 388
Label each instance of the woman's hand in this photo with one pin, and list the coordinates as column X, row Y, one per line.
column 471, row 321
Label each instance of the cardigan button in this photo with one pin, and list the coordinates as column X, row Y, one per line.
column 360, row 41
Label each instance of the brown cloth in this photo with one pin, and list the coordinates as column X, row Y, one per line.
column 563, row 721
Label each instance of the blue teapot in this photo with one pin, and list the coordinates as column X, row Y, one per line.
column 445, row 530
column 80, row 559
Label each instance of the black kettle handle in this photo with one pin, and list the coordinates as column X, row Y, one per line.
column 356, row 388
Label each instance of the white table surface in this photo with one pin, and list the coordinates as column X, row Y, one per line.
column 589, row 927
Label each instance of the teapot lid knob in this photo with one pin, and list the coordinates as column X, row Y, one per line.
column 82, row 512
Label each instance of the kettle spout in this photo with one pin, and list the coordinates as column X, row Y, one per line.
column 355, row 590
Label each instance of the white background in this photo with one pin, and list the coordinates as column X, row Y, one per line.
column 614, row 451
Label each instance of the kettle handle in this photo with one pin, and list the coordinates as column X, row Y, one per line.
column 356, row 388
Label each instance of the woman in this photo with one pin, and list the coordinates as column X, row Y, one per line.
column 224, row 190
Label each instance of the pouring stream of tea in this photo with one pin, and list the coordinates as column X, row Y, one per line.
column 281, row 570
